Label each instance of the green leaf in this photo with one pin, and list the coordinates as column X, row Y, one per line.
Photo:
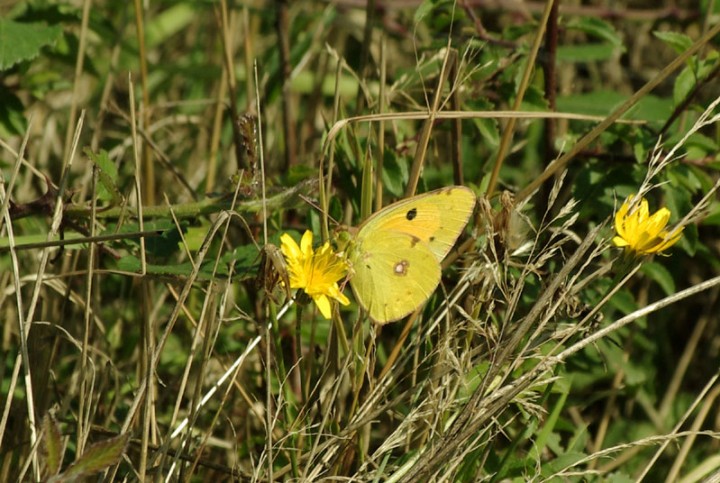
column 246, row 257
column 299, row 173
column 23, row 41
column 97, row 457
column 168, row 23
column 489, row 131
column 689, row 76
column 684, row 84
column 597, row 28
column 640, row 152
column 165, row 245
column 679, row 42
column 545, row 435
column 12, row 119
column 395, row 172
column 132, row 263
column 151, row 225
column 713, row 217
column 708, row 144
column 562, row 462
column 652, row 109
column 423, row 10
column 623, row 301
column 107, row 174
column 52, row 445
column 599, row 103
column 585, row 52
column 618, row 477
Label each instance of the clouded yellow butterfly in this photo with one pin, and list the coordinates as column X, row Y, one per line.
column 396, row 253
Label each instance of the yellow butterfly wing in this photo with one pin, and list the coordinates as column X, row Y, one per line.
column 393, row 274
column 397, row 252
column 436, row 218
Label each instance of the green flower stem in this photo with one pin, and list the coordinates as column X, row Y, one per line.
column 299, row 347
column 309, row 363
column 624, row 264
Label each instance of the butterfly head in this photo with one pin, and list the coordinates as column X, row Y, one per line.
column 343, row 239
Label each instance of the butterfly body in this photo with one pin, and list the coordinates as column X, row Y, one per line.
column 397, row 252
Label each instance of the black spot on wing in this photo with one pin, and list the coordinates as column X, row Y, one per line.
column 411, row 214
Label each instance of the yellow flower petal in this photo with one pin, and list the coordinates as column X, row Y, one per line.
column 306, row 243
column 323, row 304
column 288, row 246
column 620, row 219
column 642, row 233
column 620, row 241
column 316, row 272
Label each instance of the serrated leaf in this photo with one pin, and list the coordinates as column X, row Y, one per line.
column 95, row 459
column 677, row 41
column 23, row 41
column 52, row 445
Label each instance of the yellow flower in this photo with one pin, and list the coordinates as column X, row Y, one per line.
column 315, row 272
column 642, row 233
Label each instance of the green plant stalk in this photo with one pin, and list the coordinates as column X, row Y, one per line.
column 292, row 416
column 361, row 359
column 367, row 185
column 289, row 198
column 550, row 422
column 535, row 454
column 282, row 376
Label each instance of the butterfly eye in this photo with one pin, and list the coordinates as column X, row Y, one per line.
column 410, row 215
